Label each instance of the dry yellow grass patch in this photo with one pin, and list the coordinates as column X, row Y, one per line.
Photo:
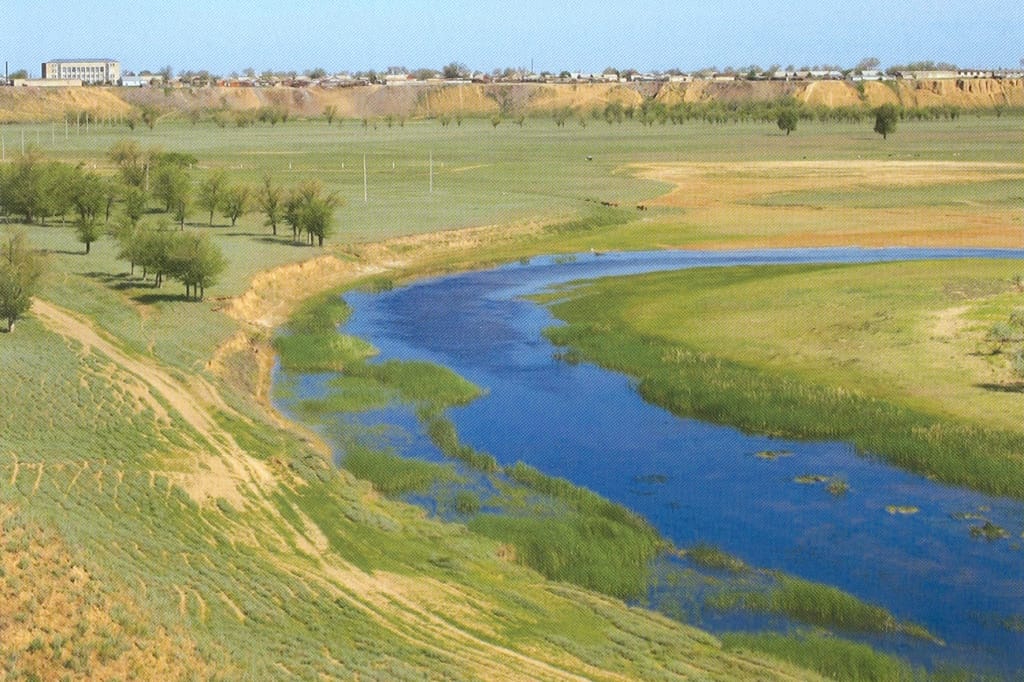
column 720, row 198
column 57, row 620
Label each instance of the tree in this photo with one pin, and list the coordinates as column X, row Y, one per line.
column 455, row 70
column 885, row 119
column 330, row 112
column 87, row 228
column 134, row 205
column 154, row 252
column 170, row 184
column 127, row 155
column 787, row 119
column 270, row 199
column 20, row 270
column 235, row 202
column 317, row 218
column 129, row 242
column 308, row 210
column 867, row 64
column 614, row 112
column 195, row 262
column 181, row 208
column 149, row 116
column 22, row 73
column 211, row 191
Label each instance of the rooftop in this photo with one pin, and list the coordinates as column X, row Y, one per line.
column 70, row 61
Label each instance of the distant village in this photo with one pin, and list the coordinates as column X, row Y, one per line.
column 90, row 72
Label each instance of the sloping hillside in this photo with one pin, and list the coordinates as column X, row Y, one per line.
column 424, row 100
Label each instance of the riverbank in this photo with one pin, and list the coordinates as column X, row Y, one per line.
column 884, row 356
column 401, row 320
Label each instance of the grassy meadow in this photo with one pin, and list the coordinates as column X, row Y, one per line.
column 166, row 524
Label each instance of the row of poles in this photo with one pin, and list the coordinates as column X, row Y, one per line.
column 53, row 140
column 366, row 186
column 366, row 190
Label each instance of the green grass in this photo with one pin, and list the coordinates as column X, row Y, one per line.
column 443, row 434
column 310, row 341
column 392, row 474
column 834, row 658
column 111, row 476
column 589, row 551
column 826, row 606
column 422, row 382
column 815, row 352
column 711, row 557
column 485, row 175
column 348, row 394
column 321, row 352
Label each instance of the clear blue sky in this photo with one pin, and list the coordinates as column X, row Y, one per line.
column 230, row 35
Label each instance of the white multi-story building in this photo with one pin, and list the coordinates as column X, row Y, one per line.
column 85, row 70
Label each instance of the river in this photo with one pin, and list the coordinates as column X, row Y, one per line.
column 700, row 482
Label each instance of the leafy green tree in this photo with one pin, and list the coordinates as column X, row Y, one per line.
column 149, row 116
column 171, row 184
column 181, row 207
column 195, row 262
column 787, row 120
column 21, row 193
column 134, row 204
column 235, row 202
column 309, row 210
column 614, row 112
column 154, row 252
column 88, row 193
column 58, row 187
column 211, row 191
column 128, row 157
column 88, row 230
column 20, row 270
column 271, row 202
column 317, row 219
column 129, row 241
column 886, row 117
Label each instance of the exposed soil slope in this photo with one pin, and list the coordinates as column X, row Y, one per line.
column 417, row 100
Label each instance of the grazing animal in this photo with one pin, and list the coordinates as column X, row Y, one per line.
column 641, row 207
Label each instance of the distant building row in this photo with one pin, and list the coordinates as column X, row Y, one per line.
column 76, row 72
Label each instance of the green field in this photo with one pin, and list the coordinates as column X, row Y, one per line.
column 143, row 459
column 891, row 357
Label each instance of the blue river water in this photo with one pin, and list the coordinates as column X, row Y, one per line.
column 699, row 482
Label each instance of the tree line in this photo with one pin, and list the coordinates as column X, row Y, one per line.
column 39, row 190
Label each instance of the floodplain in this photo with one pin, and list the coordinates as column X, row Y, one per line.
column 138, row 434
